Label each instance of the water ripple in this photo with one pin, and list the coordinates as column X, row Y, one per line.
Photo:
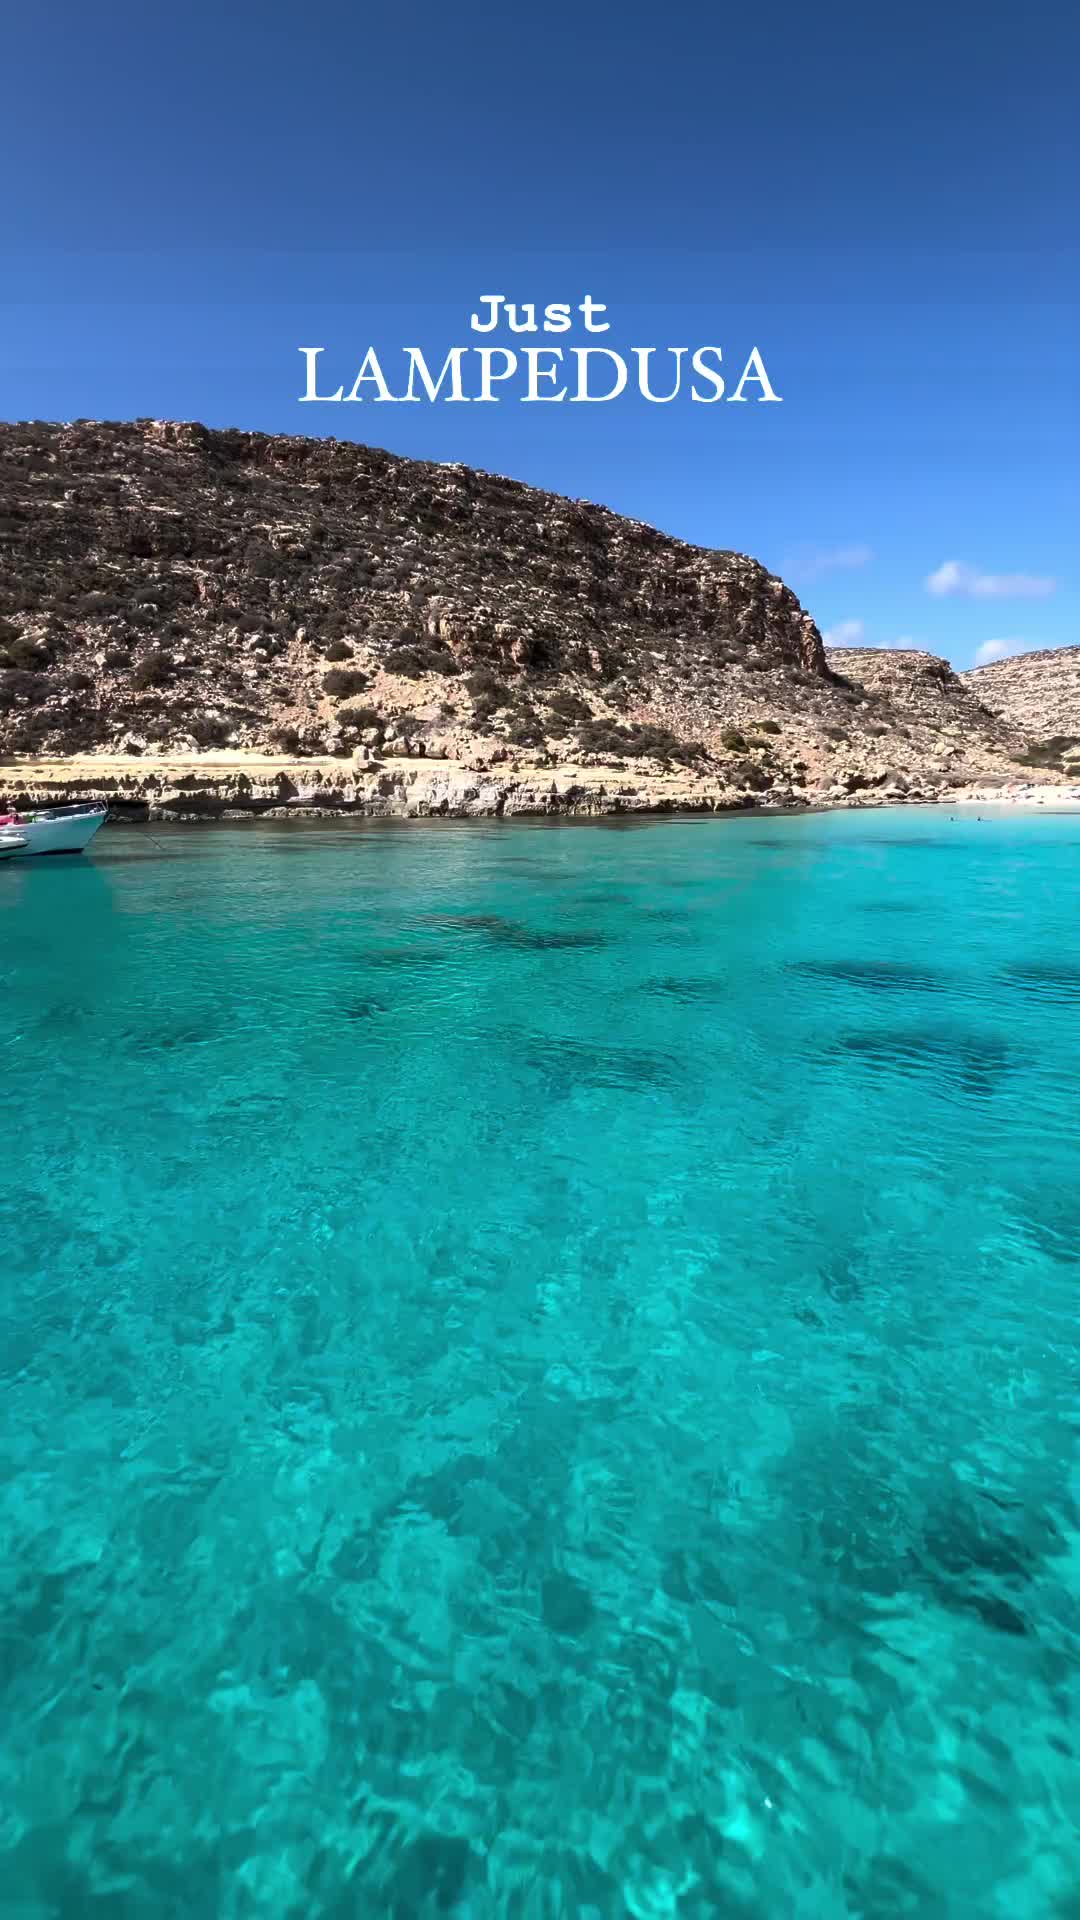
column 506, row 1415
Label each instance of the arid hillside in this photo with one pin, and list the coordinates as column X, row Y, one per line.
column 1040, row 694
column 168, row 589
column 925, row 690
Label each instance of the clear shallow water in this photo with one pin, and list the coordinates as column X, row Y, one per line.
column 540, row 1372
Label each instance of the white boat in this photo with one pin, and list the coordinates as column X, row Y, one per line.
column 50, row 830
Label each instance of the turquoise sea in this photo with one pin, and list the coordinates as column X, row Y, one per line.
column 541, row 1372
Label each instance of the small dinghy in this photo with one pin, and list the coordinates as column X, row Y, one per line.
column 49, row 830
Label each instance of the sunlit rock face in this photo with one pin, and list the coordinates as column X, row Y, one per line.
column 1039, row 692
column 168, row 590
column 192, row 586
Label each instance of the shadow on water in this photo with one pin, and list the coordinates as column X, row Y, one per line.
column 406, row 959
column 700, row 991
column 877, row 976
column 169, row 1039
column 972, row 1552
column 530, row 868
column 974, row 1562
column 915, row 840
column 842, row 1279
column 784, row 844
column 691, row 1575
column 626, row 823
column 567, row 1064
column 66, row 1017
column 1046, row 979
column 514, row 933
column 465, row 922
column 530, row 939
column 974, row 1063
column 603, row 897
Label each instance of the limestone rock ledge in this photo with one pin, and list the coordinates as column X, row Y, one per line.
column 248, row 786
column 171, row 790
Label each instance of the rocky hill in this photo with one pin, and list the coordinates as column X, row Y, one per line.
column 925, row 691
column 1038, row 693
column 169, row 590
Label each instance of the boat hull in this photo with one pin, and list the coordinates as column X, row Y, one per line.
column 66, row 833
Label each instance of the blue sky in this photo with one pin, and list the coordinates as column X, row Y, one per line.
column 880, row 202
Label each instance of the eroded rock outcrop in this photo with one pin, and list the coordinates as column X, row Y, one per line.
column 1038, row 693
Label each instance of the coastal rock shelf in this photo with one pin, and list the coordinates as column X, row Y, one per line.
column 240, row 786
column 205, row 788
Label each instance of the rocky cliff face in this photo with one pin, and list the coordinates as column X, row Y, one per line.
column 1038, row 693
column 184, row 585
column 923, row 689
column 167, row 589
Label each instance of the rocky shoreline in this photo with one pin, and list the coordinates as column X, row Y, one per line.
column 241, row 786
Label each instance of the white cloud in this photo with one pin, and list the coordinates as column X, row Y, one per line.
column 955, row 576
column 811, row 562
column 996, row 650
